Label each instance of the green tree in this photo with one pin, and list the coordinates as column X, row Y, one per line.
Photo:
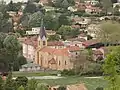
column 13, row 47
column 13, row 6
column 51, row 21
column 67, row 31
column 64, row 3
column 62, row 88
column 21, row 88
column 35, row 19
column 42, row 86
column 54, row 38
column 22, row 60
column 2, row 37
column 21, row 81
column 111, row 69
column 107, row 5
column 63, row 20
column 30, row 8
column 32, row 84
column 10, row 83
column 1, row 83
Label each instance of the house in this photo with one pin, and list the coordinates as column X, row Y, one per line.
column 92, row 10
column 82, row 36
column 93, row 30
column 36, row 30
column 54, row 58
column 91, row 2
column 93, row 43
column 29, row 46
column 98, row 55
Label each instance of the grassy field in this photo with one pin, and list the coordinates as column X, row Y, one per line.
column 91, row 83
column 29, row 74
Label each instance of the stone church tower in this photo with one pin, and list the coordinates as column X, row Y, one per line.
column 42, row 38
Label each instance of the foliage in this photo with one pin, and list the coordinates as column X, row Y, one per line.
column 21, row 32
column 99, row 88
column 4, row 24
column 10, row 83
column 51, row 21
column 111, row 69
column 107, row 5
column 67, row 31
column 32, row 84
column 62, row 88
column 64, row 3
column 63, row 20
column 93, row 69
column 68, row 72
column 9, row 50
column 13, row 6
column 30, row 8
column 42, row 86
column 21, row 81
column 22, row 60
column 21, row 88
column 54, row 38
column 1, row 84
column 107, row 34
column 35, row 19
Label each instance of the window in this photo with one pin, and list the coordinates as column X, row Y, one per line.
column 59, row 62
column 43, row 42
column 76, row 53
column 65, row 63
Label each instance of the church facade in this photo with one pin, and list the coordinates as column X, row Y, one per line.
column 55, row 58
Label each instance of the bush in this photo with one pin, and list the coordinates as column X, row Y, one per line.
column 21, row 81
column 68, row 72
column 99, row 88
column 62, row 88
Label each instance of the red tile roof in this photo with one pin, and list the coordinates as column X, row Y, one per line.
column 77, row 39
column 33, row 42
column 90, row 42
column 73, row 48
column 61, row 52
column 56, row 43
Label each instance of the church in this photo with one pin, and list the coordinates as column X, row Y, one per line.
column 55, row 57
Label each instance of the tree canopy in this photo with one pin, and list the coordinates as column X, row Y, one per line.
column 111, row 69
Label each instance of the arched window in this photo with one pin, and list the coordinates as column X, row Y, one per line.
column 43, row 42
column 59, row 62
column 65, row 63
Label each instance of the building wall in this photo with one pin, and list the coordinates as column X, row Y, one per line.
column 28, row 51
column 62, row 62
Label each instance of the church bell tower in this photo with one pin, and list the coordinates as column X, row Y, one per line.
column 42, row 38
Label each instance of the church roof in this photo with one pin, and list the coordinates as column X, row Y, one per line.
column 42, row 30
column 60, row 52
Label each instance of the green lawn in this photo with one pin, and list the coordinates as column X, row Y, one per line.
column 29, row 74
column 91, row 84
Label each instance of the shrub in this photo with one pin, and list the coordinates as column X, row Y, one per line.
column 99, row 88
column 68, row 72
column 21, row 81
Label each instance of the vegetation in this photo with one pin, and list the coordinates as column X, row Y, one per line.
column 112, row 69
column 107, row 34
column 9, row 50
